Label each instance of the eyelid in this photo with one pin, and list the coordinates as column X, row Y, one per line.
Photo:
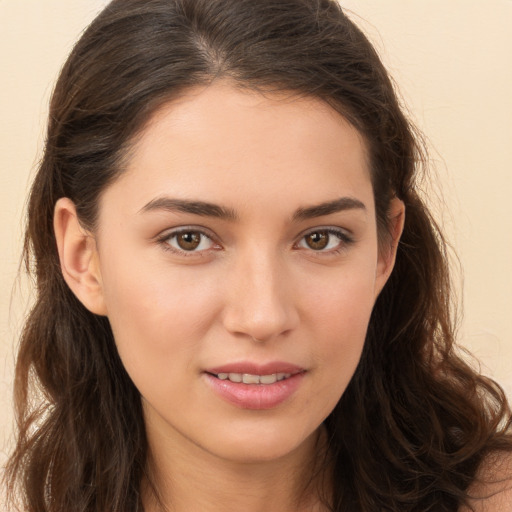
column 345, row 237
column 167, row 234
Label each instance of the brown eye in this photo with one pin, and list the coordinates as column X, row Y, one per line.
column 317, row 240
column 326, row 240
column 188, row 241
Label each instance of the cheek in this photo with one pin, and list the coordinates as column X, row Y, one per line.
column 337, row 319
column 341, row 302
column 156, row 314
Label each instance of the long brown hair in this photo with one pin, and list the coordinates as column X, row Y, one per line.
column 416, row 421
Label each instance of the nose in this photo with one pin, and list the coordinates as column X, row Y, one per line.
column 260, row 302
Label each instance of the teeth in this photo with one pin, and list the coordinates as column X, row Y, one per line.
column 248, row 378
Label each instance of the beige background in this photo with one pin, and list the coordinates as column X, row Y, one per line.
column 453, row 63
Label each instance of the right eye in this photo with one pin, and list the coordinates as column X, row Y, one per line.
column 187, row 241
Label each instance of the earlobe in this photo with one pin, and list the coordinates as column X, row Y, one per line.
column 78, row 256
column 388, row 249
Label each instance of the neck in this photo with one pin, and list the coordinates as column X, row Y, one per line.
column 189, row 480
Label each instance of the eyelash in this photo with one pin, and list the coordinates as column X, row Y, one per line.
column 345, row 240
column 164, row 241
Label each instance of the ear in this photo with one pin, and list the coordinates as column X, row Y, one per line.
column 78, row 256
column 388, row 247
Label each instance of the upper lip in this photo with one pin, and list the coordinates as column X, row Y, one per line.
column 256, row 369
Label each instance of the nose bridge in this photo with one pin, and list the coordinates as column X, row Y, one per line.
column 260, row 304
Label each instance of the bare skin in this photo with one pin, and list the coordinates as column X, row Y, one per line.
column 287, row 485
column 492, row 489
column 242, row 232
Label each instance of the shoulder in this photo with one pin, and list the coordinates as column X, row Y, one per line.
column 492, row 488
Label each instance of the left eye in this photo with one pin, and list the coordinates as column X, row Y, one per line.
column 323, row 240
column 189, row 241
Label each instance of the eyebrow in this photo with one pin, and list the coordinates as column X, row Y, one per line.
column 202, row 208
column 206, row 209
column 328, row 208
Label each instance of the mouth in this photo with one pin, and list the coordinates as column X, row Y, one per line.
column 254, row 386
column 249, row 378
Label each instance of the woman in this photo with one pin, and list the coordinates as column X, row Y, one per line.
column 242, row 300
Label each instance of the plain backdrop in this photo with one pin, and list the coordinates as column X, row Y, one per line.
column 452, row 62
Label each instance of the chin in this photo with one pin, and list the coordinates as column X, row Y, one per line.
column 263, row 445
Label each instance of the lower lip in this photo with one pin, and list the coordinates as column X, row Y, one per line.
column 255, row 396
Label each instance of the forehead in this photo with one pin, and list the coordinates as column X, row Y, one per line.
column 241, row 148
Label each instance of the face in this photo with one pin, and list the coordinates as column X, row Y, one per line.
column 240, row 244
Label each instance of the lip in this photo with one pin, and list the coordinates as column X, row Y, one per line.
column 256, row 369
column 255, row 396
